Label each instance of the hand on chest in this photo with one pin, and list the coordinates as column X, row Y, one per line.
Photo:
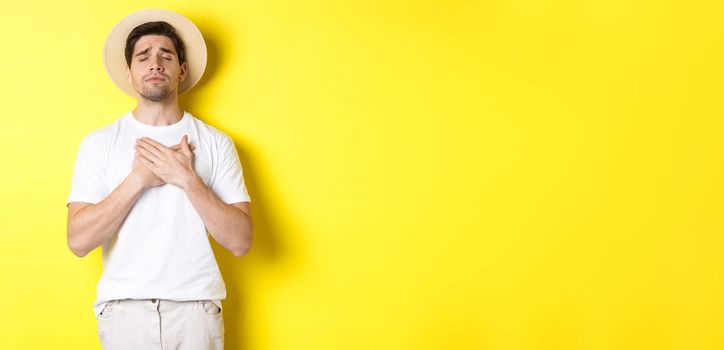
column 122, row 155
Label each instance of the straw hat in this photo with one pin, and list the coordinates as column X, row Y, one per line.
column 115, row 60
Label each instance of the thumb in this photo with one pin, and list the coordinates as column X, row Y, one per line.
column 185, row 144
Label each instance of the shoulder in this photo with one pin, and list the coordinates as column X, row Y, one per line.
column 101, row 137
column 219, row 137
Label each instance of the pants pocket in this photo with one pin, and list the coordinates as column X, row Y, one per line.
column 211, row 308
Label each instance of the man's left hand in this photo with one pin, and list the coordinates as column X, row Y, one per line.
column 174, row 167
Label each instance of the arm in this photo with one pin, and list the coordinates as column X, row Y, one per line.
column 229, row 224
column 89, row 225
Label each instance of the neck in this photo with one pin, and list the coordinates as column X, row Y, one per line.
column 160, row 113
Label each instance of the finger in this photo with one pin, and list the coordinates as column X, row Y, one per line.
column 161, row 148
column 177, row 147
column 148, row 155
column 141, row 144
column 147, row 163
column 185, row 144
column 138, row 157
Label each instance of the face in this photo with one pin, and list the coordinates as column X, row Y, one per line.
column 155, row 72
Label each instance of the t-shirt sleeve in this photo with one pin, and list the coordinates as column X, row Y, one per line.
column 89, row 174
column 228, row 183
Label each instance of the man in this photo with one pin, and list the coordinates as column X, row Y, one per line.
column 150, row 188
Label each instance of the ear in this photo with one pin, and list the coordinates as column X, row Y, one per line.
column 128, row 74
column 184, row 71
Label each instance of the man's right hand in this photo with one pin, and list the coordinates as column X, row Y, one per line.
column 147, row 178
column 89, row 225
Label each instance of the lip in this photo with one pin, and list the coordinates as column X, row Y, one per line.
column 156, row 79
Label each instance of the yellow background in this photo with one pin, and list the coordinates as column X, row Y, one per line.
column 508, row 174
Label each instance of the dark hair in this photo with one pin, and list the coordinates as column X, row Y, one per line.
column 154, row 28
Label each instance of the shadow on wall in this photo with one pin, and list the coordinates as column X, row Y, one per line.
column 266, row 249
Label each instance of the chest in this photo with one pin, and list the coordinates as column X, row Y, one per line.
column 122, row 152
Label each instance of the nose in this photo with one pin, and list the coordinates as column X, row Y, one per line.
column 155, row 64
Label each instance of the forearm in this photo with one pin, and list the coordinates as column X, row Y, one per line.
column 229, row 226
column 96, row 223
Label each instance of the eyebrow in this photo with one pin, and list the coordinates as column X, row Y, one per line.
column 162, row 49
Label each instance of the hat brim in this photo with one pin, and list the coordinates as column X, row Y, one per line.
column 114, row 57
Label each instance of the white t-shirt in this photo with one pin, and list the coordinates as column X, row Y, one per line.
column 162, row 248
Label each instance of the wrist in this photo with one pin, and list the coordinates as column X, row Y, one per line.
column 193, row 184
column 136, row 182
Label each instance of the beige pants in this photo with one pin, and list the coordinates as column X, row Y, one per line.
column 157, row 324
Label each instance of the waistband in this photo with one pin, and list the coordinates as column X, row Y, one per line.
column 153, row 301
column 156, row 304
